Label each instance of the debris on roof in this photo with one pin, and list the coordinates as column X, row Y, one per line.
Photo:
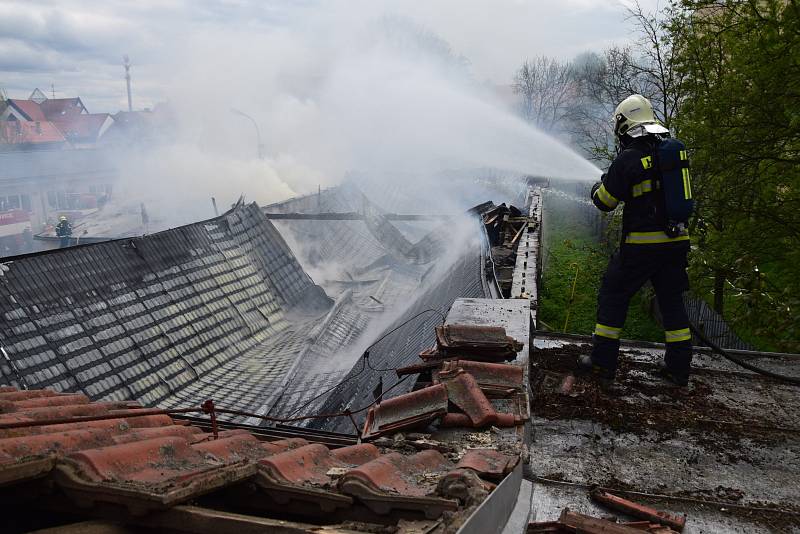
column 463, row 391
column 406, row 412
column 637, row 510
column 222, row 309
column 494, row 379
column 722, row 451
column 456, row 388
column 574, row 522
column 483, row 343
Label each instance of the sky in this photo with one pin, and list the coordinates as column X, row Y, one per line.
column 386, row 89
column 76, row 47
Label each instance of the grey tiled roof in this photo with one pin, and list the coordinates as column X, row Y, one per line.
column 178, row 314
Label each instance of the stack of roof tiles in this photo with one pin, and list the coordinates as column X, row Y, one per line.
column 149, row 463
column 460, row 389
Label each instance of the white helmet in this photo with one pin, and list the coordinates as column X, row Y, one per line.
column 635, row 111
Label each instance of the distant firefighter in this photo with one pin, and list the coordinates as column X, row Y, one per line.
column 63, row 231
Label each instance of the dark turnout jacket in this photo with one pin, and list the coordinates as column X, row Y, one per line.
column 632, row 179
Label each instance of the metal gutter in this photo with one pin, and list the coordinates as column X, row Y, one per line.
column 494, row 512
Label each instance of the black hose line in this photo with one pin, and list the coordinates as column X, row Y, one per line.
column 741, row 363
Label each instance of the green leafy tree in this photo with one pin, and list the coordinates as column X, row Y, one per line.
column 739, row 65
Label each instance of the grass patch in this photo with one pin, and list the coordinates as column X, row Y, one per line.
column 569, row 243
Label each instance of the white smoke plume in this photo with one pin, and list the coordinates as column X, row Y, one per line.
column 333, row 89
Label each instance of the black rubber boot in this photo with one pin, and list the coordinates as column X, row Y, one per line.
column 587, row 367
column 680, row 380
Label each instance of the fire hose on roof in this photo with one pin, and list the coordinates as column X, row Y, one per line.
column 741, row 363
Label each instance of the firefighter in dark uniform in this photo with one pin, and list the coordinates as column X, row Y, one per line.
column 647, row 252
column 63, row 231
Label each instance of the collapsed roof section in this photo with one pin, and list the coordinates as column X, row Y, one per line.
column 197, row 311
column 381, row 276
column 222, row 309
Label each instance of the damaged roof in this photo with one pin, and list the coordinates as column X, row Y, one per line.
column 182, row 314
column 141, row 467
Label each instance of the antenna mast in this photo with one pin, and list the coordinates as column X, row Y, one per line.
column 126, row 62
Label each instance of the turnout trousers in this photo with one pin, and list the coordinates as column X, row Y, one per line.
column 664, row 265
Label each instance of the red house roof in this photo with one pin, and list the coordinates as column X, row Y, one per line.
column 29, row 108
column 54, row 108
column 82, row 127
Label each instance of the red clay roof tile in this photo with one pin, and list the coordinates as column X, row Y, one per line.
column 232, row 446
column 464, row 392
column 312, row 463
column 149, row 462
column 487, row 343
column 490, row 376
column 412, row 410
column 488, row 463
column 8, row 393
column 306, row 475
column 394, row 481
column 54, row 400
column 282, row 445
column 139, row 434
column 60, row 444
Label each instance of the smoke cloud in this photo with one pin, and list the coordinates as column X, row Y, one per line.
column 334, row 89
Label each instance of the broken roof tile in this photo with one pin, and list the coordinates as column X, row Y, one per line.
column 408, row 411
column 150, row 462
column 488, row 343
column 493, row 378
column 488, row 463
column 464, row 485
column 464, row 392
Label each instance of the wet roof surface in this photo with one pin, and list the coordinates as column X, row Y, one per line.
column 162, row 319
column 732, row 438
